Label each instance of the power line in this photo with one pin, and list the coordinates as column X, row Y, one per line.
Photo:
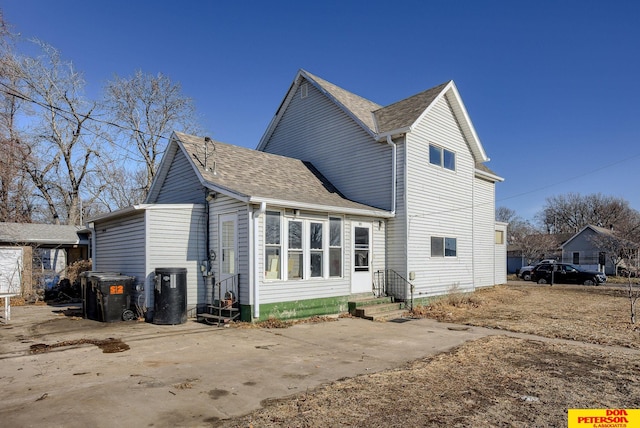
column 538, row 189
column 15, row 93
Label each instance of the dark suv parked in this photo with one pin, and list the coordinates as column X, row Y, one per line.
column 566, row 274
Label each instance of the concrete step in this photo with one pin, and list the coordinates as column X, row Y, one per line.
column 388, row 315
column 383, row 316
column 366, row 302
column 378, row 309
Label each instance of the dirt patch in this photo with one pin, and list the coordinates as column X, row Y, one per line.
column 494, row 381
column 108, row 346
column 273, row 323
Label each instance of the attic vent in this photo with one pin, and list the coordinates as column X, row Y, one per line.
column 304, row 90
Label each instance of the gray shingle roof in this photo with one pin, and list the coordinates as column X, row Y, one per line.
column 360, row 107
column 404, row 113
column 252, row 174
column 398, row 115
column 44, row 234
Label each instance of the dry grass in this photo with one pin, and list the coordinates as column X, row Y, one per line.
column 587, row 314
column 494, row 381
column 277, row 323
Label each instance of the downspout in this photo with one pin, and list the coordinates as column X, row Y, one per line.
column 394, row 185
column 393, row 173
column 256, row 259
column 91, row 226
column 207, row 263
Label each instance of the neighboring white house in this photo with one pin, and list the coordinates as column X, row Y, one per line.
column 341, row 194
column 34, row 254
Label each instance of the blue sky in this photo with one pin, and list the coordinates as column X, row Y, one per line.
column 552, row 87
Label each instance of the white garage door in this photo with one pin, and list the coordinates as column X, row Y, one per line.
column 10, row 269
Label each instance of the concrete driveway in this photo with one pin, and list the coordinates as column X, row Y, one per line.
column 191, row 374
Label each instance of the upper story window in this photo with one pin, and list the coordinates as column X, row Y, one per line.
column 442, row 157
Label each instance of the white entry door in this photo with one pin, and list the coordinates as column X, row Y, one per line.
column 228, row 239
column 361, row 271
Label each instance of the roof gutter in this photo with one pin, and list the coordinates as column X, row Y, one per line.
column 486, row 175
column 322, row 208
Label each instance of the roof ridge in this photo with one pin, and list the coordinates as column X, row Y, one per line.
column 360, row 107
column 439, row 88
column 403, row 113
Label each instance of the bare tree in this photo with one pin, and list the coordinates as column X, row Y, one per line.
column 15, row 188
column 533, row 244
column 622, row 247
column 571, row 212
column 125, row 188
column 63, row 144
column 506, row 215
column 148, row 108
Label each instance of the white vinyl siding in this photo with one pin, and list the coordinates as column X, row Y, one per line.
column 484, row 233
column 120, row 247
column 315, row 129
column 153, row 236
column 379, row 249
column 396, row 248
column 176, row 239
column 500, row 276
column 181, row 185
column 439, row 203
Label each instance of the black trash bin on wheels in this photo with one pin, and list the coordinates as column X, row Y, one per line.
column 170, row 296
column 107, row 296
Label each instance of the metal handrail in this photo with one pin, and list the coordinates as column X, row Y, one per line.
column 390, row 283
column 226, row 294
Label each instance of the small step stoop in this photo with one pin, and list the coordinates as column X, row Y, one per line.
column 376, row 309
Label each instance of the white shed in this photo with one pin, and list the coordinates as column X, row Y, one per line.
column 137, row 240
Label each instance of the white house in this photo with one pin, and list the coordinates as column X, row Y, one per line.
column 419, row 159
column 342, row 198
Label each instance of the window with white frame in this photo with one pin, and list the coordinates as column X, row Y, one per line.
column 272, row 245
column 442, row 157
column 295, row 261
column 335, row 247
column 316, row 252
column 444, row 247
column 312, row 248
